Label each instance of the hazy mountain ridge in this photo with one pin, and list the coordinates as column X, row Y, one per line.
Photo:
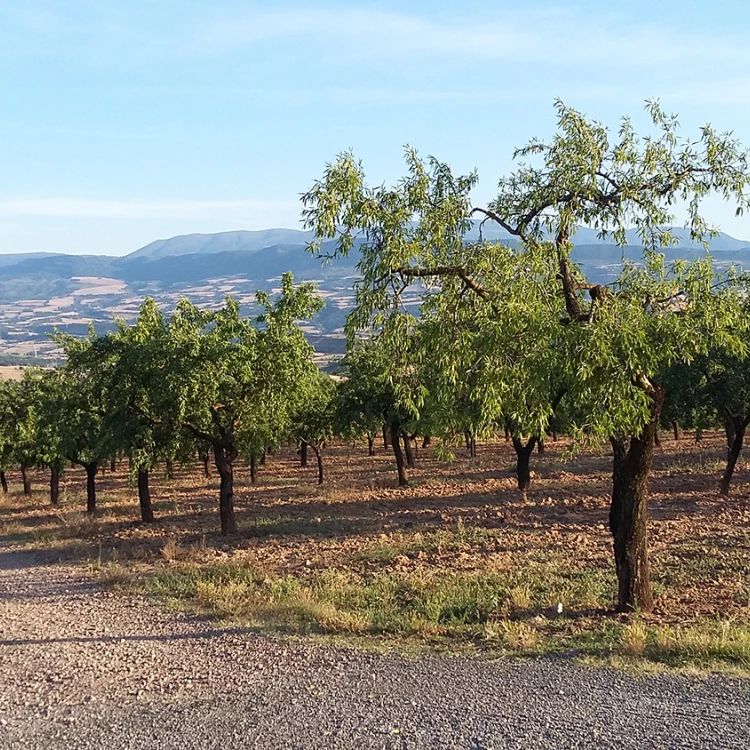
column 41, row 292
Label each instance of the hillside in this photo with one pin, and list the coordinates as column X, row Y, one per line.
column 41, row 292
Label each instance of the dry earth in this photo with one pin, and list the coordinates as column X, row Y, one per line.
column 84, row 668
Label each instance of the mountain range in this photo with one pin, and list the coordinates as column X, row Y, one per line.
column 43, row 291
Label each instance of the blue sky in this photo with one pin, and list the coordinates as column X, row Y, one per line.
column 126, row 121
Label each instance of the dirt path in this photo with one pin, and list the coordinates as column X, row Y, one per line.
column 83, row 668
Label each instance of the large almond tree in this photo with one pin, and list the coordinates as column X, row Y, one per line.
column 528, row 305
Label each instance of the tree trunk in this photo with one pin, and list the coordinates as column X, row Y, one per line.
column 54, row 485
column 410, row 460
column 730, row 430
column 540, row 448
column 733, row 453
column 698, row 434
column 554, row 436
column 253, row 468
column 303, row 454
column 370, row 445
column 426, row 442
column 320, row 463
column 262, row 460
column 676, row 429
column 144, row 497
column 4, row 482
column 113, row 464
column 91, row 470
column 403, row 478
column 507, row 433
column 657, row 438
column 223, row 458
column 206, row 461
column 169, row 466
column 26, row 482
column 628, row 512
column 523, row 455
column 386, row 438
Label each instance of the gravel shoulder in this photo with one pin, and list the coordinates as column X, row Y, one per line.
column 81, row 667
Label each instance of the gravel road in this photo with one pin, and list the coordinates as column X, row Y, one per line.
column 83, row 668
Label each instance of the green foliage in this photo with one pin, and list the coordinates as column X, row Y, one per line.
column 502, row 331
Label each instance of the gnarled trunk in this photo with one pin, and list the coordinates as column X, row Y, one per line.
column 628, row 513
column 144, row 497
column 409, row 448
column 523, row 456
column 253, row 468
column 26, row 481
column 223, row 458
column 91, row 470
column 395, row 435
column 735, row 431
column 54, row 485
column 205, row 458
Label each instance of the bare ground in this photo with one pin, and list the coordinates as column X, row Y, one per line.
column 85, row 668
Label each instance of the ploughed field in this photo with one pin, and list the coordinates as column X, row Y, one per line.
column 457, row 561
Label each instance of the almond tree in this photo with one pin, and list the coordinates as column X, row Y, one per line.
column 230, row 381
column 614, row 340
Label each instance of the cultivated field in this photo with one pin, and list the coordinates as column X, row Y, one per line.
column 458, row 561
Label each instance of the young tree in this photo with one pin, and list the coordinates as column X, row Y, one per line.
column 616, row 339
column 314, row 424
column 231, row 382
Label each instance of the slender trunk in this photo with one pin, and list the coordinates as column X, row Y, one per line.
column 91, row 471
column 253, row 468
column 733, row 453
column 169, row 465
column 409, row 449
column 223, row 458
column 540, row 448
column 676, row 429
column 698, row 434
column 403, row 478
column 554, row 436
column 523, row 456
column 730, row 430
column 262, row 460
column 628, row 512
column 4, row 482
column 426, row 442
column 144, row 497
column 26, row 481
column 320, row 464
column 54, row 485
column 303, row 454
column 386, row 438
column 657, row 438
column 113, row 464
column 370, row 444
column 205, row 459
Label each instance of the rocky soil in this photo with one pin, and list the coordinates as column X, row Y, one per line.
column 81, row 667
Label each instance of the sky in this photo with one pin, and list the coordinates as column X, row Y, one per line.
column 127, row 121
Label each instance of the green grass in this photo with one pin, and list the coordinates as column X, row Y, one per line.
column 483, row 611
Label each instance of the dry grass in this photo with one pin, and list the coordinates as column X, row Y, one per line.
column 458, row 559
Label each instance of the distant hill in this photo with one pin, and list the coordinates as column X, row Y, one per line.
column 41, row 292
column 223, row 242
